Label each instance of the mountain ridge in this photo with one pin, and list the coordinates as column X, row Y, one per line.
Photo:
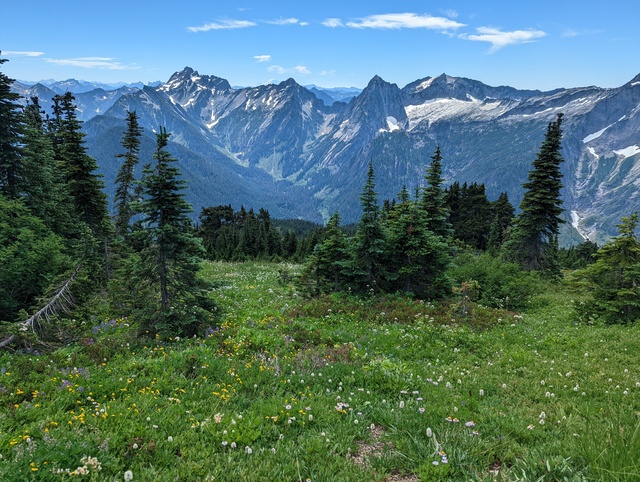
column 316, row 153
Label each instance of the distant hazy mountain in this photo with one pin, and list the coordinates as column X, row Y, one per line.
column 303, row 152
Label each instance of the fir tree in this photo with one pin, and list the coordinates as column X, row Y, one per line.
column 171, row 258
column 325, row 270
column 368, row 266
column 418, row 258
column 11, row 168
column 614, row 279
column 43, row 186
column 503, row 213
column 125, row 181
column 534, row 239
column 433, row 198
column 84, row 185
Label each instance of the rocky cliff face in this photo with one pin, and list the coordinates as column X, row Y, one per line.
column 283, row 148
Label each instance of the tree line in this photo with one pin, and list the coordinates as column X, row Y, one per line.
column 61, row 249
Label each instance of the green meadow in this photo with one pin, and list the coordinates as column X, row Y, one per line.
column 336, row 388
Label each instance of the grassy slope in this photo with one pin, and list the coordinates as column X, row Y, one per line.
column 333, row 389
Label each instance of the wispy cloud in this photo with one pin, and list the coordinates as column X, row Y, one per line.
column 284, row 21
column 402, row 20
column 225, row 24
column 333, row 23
column 578, row 33
column 262, row 58
column 451, row 13
column 499, row 39
column 299, row 69
column 16, row 53
column 92, row 63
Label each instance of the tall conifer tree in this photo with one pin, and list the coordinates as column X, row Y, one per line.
column 84, row 185
column 171, row 258
column 534, row 239
column 125, row 180
column 11, row 168
column 433, row 198
column 368, row 269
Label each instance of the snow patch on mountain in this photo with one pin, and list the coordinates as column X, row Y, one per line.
column 595, row 135
column 628, row 151
column 392, row 125
column 436, row 110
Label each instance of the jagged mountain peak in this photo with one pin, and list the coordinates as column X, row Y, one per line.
column 188, row 77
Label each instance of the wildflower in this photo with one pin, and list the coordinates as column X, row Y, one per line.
column 248, row 450
column 273, row 450
column 233, row 445
column 128, row 476
column 531, row 426
column 481, row 393
column 401, row 405
column 470, row 423
column 287, row 407
column 429, row 432
column 169, row 439
column 217, row 418
column 421, row 410
column 475, row 433
column 225, row 443
column 134, row 446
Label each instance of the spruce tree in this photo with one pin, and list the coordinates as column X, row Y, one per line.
column 84, row 185
column 11, row 168
column 503, row 212
column 433, row 198
column 369, row 249
column 534, row 239
column 171, row 258
column 43, row 186
column 325, row 270
column 125, row 180
column 614, row 279
column 418, row 258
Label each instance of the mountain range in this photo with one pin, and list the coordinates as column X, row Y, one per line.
column 303, row 151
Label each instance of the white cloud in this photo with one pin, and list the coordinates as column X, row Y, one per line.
column 498, row 39
column 405, row 20
column 262, row 58
column 15, row 53
column 577, row 33
column 284, row 21
column 328, row 72
column 298, row 69
column 92, row 63
column 223, row 25
column 451, row 13
column 333, row 22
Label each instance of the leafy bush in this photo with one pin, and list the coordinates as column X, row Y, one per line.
column 500, row 284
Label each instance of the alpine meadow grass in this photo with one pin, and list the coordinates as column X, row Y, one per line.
column 336, row 388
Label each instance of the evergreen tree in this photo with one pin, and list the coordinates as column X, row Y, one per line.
column 171, row 258
column 368, row 256
column 614, row 279
column 325, row 270
column 503, row 212
column 43, row 187
column 418, row 258
column 84, row 185
column 533, row 240
column 125, row 181
column 11, row 168
column 433, row 198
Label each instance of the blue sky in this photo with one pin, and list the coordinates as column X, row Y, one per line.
column 539, row 44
